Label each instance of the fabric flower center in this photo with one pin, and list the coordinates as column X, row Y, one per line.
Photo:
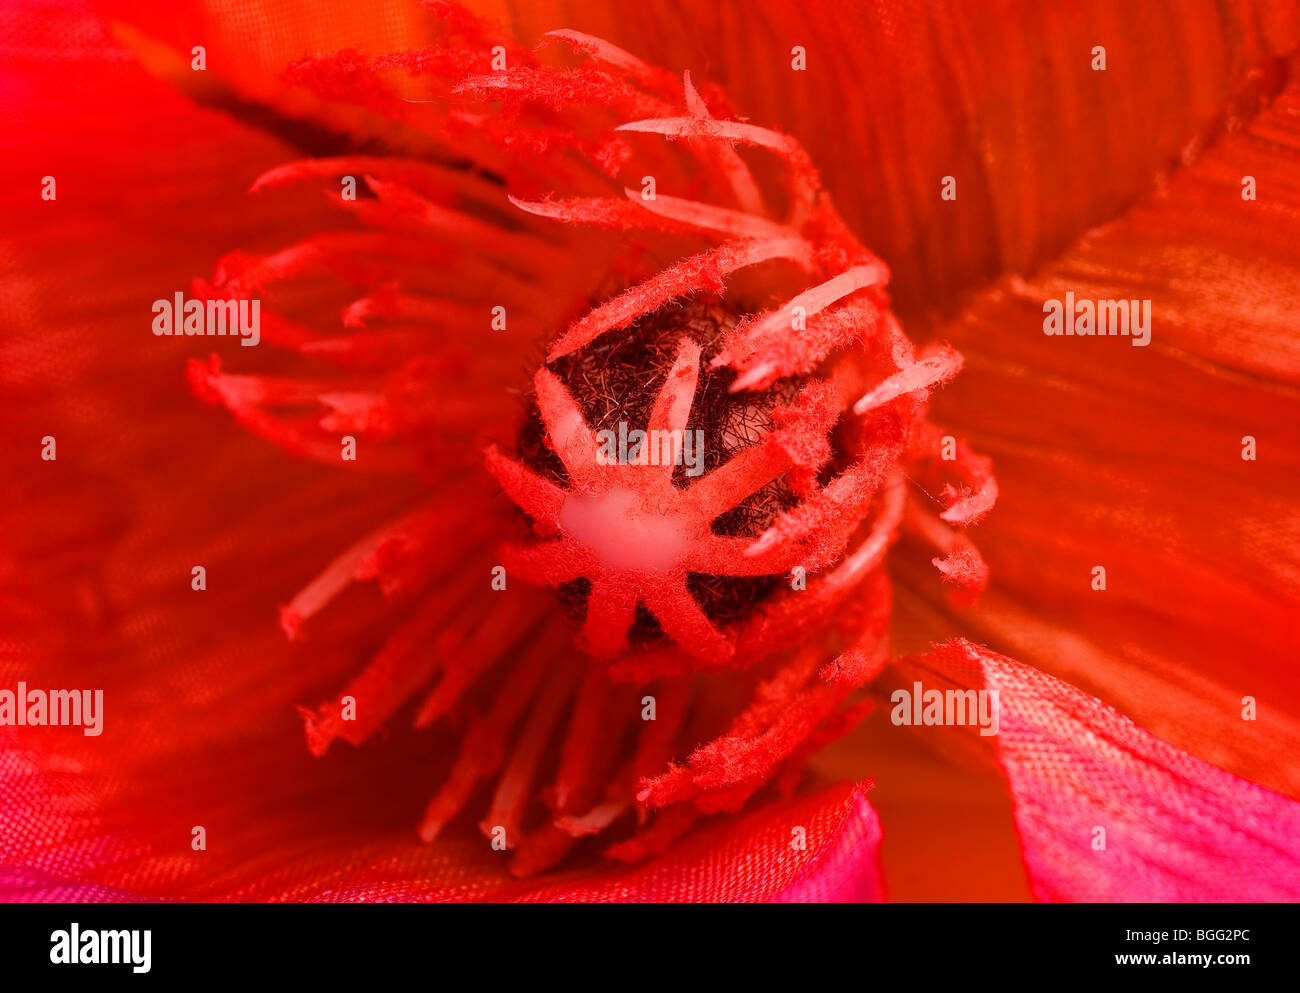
column 634, row 527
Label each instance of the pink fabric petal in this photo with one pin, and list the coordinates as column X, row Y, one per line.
column 1176, row 828
column 754, row 859
column 847, row 868
column 19, row 884
column 749, row 859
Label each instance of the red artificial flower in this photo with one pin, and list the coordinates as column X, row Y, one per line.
column 624, row 516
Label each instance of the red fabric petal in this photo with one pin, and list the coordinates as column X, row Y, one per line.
column 822, row 848
column 757, row 858
column 1000, row 95
column 1130, row 458
column 95, row 590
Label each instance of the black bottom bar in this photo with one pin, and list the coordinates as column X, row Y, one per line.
column 484, row 946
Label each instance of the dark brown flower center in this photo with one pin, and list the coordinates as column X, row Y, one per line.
column 615, row 381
